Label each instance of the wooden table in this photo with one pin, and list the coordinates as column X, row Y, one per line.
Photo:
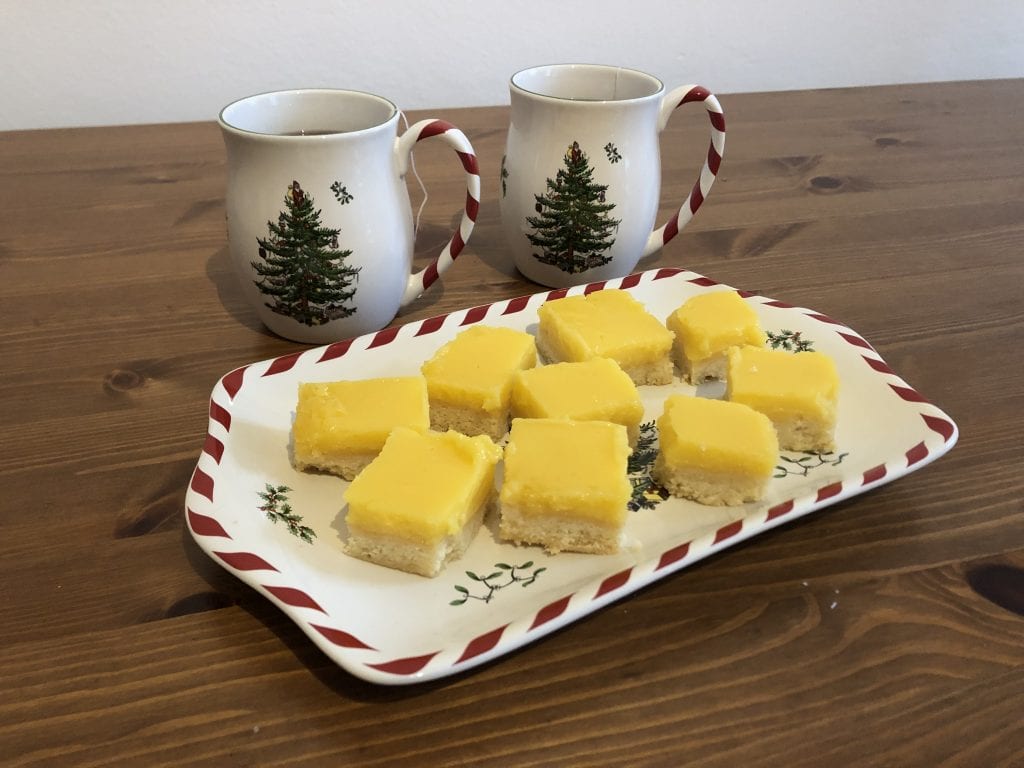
column 885, row 630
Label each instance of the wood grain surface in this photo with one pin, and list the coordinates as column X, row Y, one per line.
column 887, row 630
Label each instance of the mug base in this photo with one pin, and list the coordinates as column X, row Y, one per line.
column 316, row 335
column 552, row 277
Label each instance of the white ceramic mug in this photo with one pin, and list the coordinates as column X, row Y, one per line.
column 320, row 224
column 581, row 175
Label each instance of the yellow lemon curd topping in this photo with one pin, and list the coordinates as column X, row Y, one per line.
column 357, row 416
column 783, row 385
column 423, row 486
column 594, row 390
column 717, row 436
column 710, row 323
column 608, row 323
column 567, row 468
column 475, row 368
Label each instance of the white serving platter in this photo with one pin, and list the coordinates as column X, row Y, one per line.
column 394, row 628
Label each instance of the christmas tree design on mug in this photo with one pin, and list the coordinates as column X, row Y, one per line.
column 573, row 228
column 301, row 267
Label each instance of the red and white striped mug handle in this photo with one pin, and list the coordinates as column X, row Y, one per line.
column 687, row 94
column 456, row 139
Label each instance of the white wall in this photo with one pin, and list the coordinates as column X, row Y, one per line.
column 97, row 62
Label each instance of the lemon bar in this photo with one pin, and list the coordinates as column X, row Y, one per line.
column 419, row 504
column 565, row 486
column 706, row 326
column 340, row 426
column 469, row 379
column 713, row 451
column 608, row 323
column 594, row 390
column 797, row 391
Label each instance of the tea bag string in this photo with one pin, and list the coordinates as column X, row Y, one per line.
column 423, row 188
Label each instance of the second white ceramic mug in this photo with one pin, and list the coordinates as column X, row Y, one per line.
column 320, row 225
column 581, row 176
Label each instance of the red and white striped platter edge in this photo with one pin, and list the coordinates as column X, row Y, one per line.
column 360, row 654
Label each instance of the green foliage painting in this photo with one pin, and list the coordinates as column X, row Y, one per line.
column 301, row 268
column 574, row 228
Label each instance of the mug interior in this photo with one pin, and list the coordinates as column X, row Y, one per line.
column 307, row 112
column 587, row 82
